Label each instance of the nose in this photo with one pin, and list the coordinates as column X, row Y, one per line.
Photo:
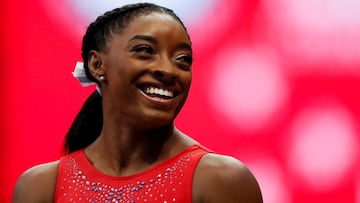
column 165, row 71
column 164, row 75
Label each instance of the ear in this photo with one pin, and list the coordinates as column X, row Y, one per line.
column 95, row 64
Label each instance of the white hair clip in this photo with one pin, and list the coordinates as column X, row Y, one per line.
column 79, row 73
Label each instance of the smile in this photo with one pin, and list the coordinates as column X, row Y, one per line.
column 158, row 93
column 154, row 91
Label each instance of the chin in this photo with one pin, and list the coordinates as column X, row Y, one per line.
column 157, row 120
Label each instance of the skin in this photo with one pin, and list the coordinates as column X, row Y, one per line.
column 138, row 132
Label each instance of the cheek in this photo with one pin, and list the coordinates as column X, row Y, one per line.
column 119, row 70
column 117, row 75
column 119, row 81
column 187, row 80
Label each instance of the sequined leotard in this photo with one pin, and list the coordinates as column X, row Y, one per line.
column 167, row 182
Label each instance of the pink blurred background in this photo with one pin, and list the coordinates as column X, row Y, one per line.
column 275, row 84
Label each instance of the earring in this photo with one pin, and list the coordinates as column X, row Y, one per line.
column 101, row 78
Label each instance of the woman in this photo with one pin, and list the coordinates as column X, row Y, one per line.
column 123, row 146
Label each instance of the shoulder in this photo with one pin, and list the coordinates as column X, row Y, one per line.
column 37, row 184
column 220, row 178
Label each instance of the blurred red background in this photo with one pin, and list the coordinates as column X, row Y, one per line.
column 275, row 84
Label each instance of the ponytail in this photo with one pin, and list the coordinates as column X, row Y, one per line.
column 87, row 125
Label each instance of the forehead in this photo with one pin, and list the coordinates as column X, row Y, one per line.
column 154, row 23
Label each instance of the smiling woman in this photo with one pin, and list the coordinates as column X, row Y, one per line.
column 123, row 145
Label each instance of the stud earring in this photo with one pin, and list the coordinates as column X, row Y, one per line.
column 101, row 78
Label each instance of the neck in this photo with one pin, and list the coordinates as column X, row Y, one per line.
column 127, row 151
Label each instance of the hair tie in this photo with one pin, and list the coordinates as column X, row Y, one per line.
column 79, row 73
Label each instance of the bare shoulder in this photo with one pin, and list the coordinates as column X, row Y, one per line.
column 37, row 184
column 220, row 178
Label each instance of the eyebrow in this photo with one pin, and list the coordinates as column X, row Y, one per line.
column 151, row 39
column 145, row 37
column 184, row 45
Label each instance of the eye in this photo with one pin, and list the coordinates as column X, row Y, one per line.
column 186, row 59
column 145, row 49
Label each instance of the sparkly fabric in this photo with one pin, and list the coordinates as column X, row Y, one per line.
column 167, row 182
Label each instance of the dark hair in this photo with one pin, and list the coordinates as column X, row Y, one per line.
column 88, row 123
column 113, row 22
column 86, row 126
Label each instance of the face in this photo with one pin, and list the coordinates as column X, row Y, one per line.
column 148, row 71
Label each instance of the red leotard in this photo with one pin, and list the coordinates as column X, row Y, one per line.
column 170, row 181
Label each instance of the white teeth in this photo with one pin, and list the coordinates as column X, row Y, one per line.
column 162, row 92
